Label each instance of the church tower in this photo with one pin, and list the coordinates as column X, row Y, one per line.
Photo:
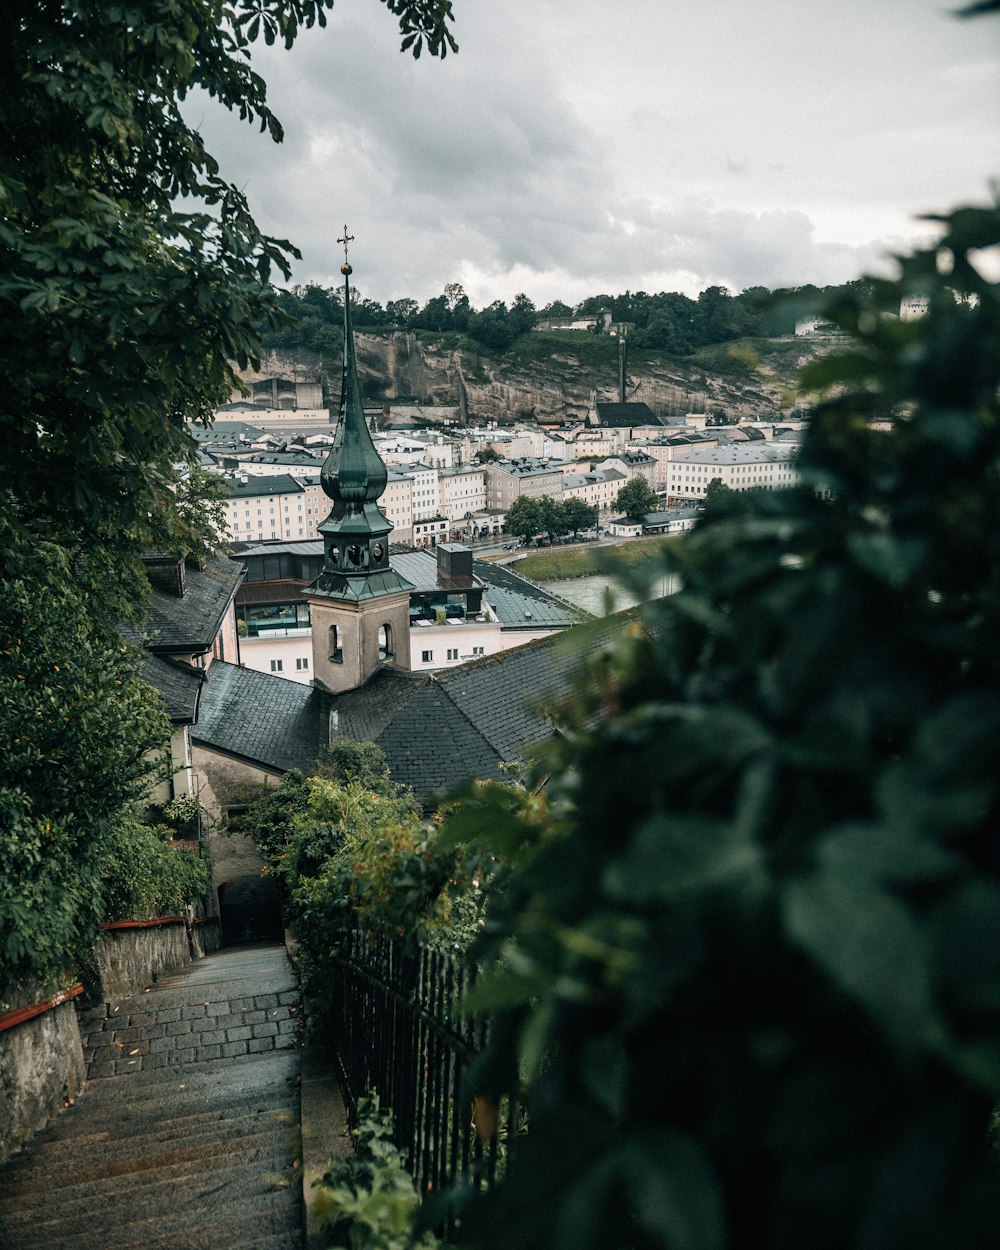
column 360, row 607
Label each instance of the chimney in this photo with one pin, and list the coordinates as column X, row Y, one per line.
column 166, row 573
column 454, row 560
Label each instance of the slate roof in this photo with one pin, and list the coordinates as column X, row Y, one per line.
column 178, row 685
column 301, row 547
column 429, row 742
column 263, row 484
column 420, row 568
column 189, row 622
column 436, row 729
column 739, row 453
column 265, row 720
column 526, row 466
column 286, row 590
column 208, row 433
column 303, row 458
column 521, row 604
column 512, row 697
column 653, row 519
column 621, row 415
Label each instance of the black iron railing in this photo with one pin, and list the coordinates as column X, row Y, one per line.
column 398, row 1030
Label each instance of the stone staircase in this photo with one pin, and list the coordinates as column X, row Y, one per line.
column 173, row 1025
column 187, row 1136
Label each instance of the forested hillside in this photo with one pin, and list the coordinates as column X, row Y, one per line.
column 733, row 354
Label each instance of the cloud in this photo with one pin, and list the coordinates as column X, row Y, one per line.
column 567, row 160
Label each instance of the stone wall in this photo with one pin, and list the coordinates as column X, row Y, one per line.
column 129, row 959
column 41, row 1059
column 41, row 1070
column 224, row 782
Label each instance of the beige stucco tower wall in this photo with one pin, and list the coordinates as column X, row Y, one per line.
column 349, row 639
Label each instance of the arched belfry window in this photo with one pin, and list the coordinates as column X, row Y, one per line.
column 385, row 642
column 336, row 644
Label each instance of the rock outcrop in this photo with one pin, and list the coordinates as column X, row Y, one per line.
column 550, row 385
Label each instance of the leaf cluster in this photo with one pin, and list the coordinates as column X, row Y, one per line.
column 750, row 986
column 636, row 498
column 528, row 516
column 369, row 1201
column 143, row 876
column 350, row 850
column 77, row 723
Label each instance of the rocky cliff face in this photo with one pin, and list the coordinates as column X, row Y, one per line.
column 557, row 385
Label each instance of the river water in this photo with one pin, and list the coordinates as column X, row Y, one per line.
column 590, row 592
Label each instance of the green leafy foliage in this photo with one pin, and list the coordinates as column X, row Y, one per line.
column 524, row 517
column 636, row 498
column 748, row 981
column 528, row 516
column 715, row 491
column 70, row 764
column 368, row 1201
column 132, row 279
column 350, row 850
column 143, row 876
column 580, row 515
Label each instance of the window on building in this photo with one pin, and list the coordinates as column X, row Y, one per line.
column 277, row 666
column 426, row 657
column 336, row 644
column 302, row 664
column 478, row 650
column 452, row 653
column 385, row 651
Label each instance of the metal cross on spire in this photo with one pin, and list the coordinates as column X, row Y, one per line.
column 346, row 238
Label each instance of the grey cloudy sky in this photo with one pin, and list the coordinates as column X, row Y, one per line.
column 580, row 146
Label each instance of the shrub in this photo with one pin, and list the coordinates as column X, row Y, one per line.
column 369, row 1201
column 143, row 876
column 751, row 985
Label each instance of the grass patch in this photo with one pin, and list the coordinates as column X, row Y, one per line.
column 550, row 566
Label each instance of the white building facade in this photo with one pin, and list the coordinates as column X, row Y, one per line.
column 276, row 507
column 740, row 466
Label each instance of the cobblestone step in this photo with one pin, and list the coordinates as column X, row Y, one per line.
column 111, row 1149
column 252, row 1229
column 198, row 1153
column 143, row 1035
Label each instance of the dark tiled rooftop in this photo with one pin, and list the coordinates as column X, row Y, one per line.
column 421, row 570
column 189, row 622
column 521, row 604
column 626, row 414
column 261, row 484
column 277, row 591
column 267, row 720
column 429, row 743
column 177, row 684
column 512, row 697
